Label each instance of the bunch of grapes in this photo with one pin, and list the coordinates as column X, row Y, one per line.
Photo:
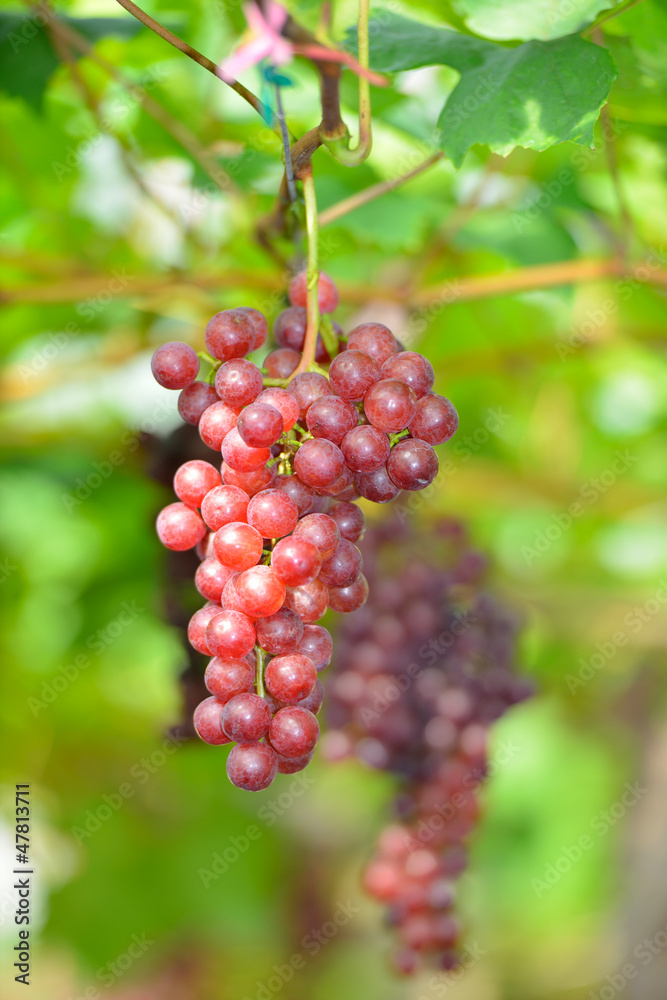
column 275, row 526
column 422, row 671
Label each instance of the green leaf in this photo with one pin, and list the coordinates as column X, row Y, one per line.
column 527, row 19
column 398, row 43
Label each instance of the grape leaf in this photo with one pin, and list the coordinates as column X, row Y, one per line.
column 534, row 95
column 526, row 19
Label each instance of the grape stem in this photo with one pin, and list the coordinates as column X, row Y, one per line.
column 395, row 438
column 312, row 273
column 259, row 671
column 339, row 146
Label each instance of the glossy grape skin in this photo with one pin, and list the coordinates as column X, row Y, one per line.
column 350, row 519
column 294, row 731
column 306, row 388
column 240, row 456
column 321, row 530
column 331, row 417
column 292, row 765
column 229, row 599
column 281, row 362
column 295, row 561
column 193, row 480
column 289, row 328
column 252, row 766
column 238, row 382
column 198, row 625
column 210, row 578
column 246, row 718
column 273, row 513
column 230, row 635
column 260, row 425
column 175, row 365
column 250, row 482
column 194, row 399
column 179, row 527
column 215, row 423
column 290, row 677
column 314, row 701
column 282, row 401
column 390, row 405
column 204, row 549
column 365, row 448
column 343, row 484
column 375, row 340
column 280, row 633
column 260, row 326
column 238, row 545
column 229, row 334
column 224, row 504
column 435, row 421
column 352, row 374
column 260, row 592
column 327, row 293
column 207, row 721
column 412, row 464
column 225, row 678
column 343, row 567
column 317, row 644
column 413, row 369
column 376, row 486
column 301, row 494
column 309, row 600
column 346, row 599
column 319, row 462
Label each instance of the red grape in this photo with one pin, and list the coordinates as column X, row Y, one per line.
column 179, row 527
column 281, row 363
column 252, row 766
column 260, row 326
column 282, row 401
column 290, row 677
column 413, row 369
column 321, row 530
column 273, row 513
column 331, row 417
column 327, row 293
column 412, row 464
column 175, row 365
column 352, row 374
column 349, row 518
column 260, row 425
column 246, row 718
column 207, row 721
column 346, row 599
column 344, row 482
column 211, row 577
column 238, row 545
column 240, row 456
column 230, row 634
column 289, row 328
column 435, row 421
column 317, row 645
column 193, row 480
column 223, row 505
column 309, row 600
column 204, row 549
column 215, row 423
column 194, row 399
column 301, row 494
column 229, row 334
column 250, row 482
column 314, row 701
column 226, row 678
column 294, row 731
column 365, row 448
column 295, row 561
column 291, row 765
column 280, row 632
column 319, row 462
column 260, row 592
column 308, row 387
column 390, row 405
column 376, row 486
column 375, row 340
column 238, row 382
column 198, row 625
column 343, row 567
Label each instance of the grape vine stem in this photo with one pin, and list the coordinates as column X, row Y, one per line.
column 312, row 273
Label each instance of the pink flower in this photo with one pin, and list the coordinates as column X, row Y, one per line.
column 266, row 41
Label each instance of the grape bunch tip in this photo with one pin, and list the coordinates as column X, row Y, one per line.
column 276, row 527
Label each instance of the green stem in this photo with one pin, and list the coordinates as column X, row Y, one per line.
column 339, row 146
column 259, row 671
column 312, row 273
column 395, row 438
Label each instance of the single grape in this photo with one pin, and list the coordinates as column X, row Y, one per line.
column 281, row 363
column 230, row 634
column 260, row 592
column 252, row 766
column 210, row 578
column 352, row 374
column 175, row 365
column 238, row 545
column 365, row 448
column 198, row 625
column 390, row 405
column 282, row 401
column 280, row 633
column 204, row 549
column 260, row 326
column 435, row 421
column 346, row 599
column 290, row 678
column 260, row 425
column 314, row 701
column 317, row 645
column 331, row 417
column 289, row 328
column 327, row 293
column 301, row 494
column 343, row 567
column 229, row 599
column 229, row 334
column 207, row 721
column 309, row 600
column 412, row 464
column 238, row 382
column 179, row 527
column 413, row 369
column 376, row 486
column 375, row 340
column 246, row 718
column 308, row 387
column 294, row 731
column 321, row 530
column 215, row 423
column 291, row 765
column 223, row 505
column 226, row 678
column 319, row 462
column 273, row 513
column 194, row 399
column 240, row 456
column 250, row 482
column 193, row 480
column 295, row 561
column 350, row 519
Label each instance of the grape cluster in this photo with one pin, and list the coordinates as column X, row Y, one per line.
column 275, row 527
column 421, row 673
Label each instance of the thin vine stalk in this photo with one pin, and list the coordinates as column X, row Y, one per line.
column 339, row 147
column 312, row 273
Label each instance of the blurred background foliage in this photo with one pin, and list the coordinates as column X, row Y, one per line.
column 113, row 239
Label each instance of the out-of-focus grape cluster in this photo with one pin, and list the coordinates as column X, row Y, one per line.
column 421, row 673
